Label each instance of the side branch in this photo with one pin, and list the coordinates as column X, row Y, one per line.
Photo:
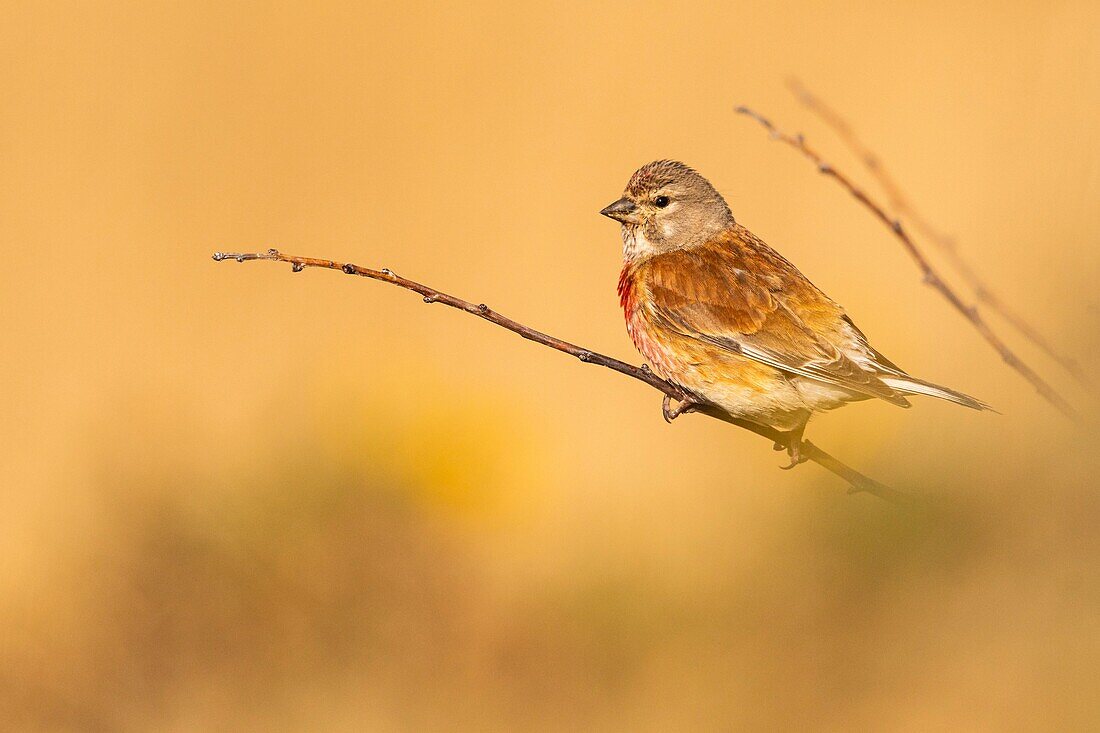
column 856, row 480
column 930, row 275
column 900, row 203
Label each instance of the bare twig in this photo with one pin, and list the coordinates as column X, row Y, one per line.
column 856, row 480
column 931, row 275
column 900, row 203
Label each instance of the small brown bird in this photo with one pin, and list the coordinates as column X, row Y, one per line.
column 717, row 311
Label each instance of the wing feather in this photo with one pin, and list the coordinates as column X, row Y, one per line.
column 741, row 296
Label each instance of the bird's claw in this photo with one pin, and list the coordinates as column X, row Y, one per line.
column 670, row 413
column 666, row 409
column 794, row 450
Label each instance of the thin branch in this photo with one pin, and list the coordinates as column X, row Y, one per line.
column 900, row 203
column 930, row 275
column 856, row 480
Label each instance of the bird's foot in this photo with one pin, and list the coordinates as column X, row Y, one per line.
column 671, row 413
column 793, row 447
column 794, row 451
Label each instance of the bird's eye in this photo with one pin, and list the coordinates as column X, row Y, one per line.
column 661, row 201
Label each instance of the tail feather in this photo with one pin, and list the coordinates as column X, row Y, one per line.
column 912, row 385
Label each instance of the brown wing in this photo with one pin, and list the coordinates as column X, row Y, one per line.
column 740, row 295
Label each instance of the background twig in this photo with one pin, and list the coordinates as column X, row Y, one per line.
column 930, row 274
column 900, row 203
column 856, row 480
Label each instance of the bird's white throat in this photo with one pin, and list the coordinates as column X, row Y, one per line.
column 635, row 243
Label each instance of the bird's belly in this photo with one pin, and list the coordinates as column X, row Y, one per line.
column 746, row 389
column 740, row 386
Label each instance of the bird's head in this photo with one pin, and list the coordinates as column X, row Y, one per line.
column 667, row 206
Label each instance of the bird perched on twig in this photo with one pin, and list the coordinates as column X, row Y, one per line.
column 717, row 311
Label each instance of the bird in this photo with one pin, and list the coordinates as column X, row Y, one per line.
column 715, row 310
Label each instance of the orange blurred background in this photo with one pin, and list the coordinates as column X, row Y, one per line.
column 240, row 499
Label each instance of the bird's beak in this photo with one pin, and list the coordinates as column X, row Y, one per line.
column 620, row 210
